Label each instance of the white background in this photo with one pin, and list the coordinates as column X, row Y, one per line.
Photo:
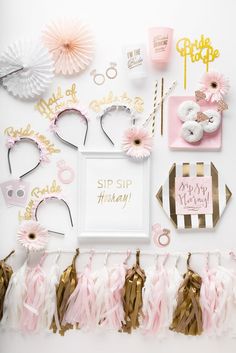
column 115, row 24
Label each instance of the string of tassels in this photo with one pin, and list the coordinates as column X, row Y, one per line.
column 116, row 297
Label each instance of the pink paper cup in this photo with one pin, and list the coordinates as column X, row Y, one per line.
column 160, row 42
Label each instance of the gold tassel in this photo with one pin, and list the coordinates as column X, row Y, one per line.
column 5, row 275
column 65, row 288
column 133, row 301
column 187, row 317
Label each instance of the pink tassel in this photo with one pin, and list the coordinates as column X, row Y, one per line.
column 109, row 284
column 216, row 291
column 159, row 298
column 81, row 304
column 35, row 283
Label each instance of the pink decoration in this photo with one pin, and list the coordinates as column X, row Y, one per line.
column 175, row 141
column 215, row 86
column 81, row 304
column 32, row 236
column 109, row 284
column 15, row 192
column 159, row 299
column 137, row 143
column 160, row 42
column 216, row 290
column 35, row 284
column 71, row 44
column 193, row 195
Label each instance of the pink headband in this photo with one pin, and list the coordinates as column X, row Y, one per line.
column 81, row 112
column 43, row 153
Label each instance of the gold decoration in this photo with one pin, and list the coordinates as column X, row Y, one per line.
column 65, row 288
column 5, row 275
column 201, row 117
column 199, row 96
column 134, row 282
column 36, row 193
column 136, row 103
column 28, row 132
column 59, row 100
column 221, row 106
column 198, row 50
column 187, row 317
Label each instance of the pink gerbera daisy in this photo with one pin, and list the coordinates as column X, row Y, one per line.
column 32, row 236
column 137, row 143
column 71, row 44
column 214, row 85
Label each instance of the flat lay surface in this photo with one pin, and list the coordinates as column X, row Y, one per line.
column 115, row 27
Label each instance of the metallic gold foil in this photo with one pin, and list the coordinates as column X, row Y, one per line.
column 187, row 318
column 65, row 288
column 5, row 275
column 134, row 282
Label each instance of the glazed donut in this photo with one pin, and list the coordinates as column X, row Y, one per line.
column 192, row 131
column 213, row 122
column 188, row 110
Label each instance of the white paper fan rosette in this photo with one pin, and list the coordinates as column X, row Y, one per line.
column 37, row 72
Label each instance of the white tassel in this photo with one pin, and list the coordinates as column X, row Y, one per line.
column 159, row 299
column 14, row 299
column 109, row 283
column 50, row 303
column 215, row 298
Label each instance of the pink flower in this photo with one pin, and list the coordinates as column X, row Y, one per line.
column 11, row 141
column 71, row 44
column 137, row 143
column 32, row 236
column 214, row 85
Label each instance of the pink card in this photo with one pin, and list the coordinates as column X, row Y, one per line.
column 193, row 195
column 15, row 192
column 175, row 141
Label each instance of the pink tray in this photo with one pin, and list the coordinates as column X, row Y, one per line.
column 175, row 141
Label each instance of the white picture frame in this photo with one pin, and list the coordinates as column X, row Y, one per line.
column 101, row 215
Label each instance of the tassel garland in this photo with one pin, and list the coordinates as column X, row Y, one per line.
column 5, row 276
column 187, row 317
column 65, row 288
column 134, row 282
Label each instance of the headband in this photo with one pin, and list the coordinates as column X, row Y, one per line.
column 43, row 152
column 34, row 213
column 81, row 112
column 112, row 108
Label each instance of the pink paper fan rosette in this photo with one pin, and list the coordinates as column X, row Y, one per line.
column 71, row 44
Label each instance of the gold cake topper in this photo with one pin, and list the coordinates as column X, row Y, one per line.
column 198, row 50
